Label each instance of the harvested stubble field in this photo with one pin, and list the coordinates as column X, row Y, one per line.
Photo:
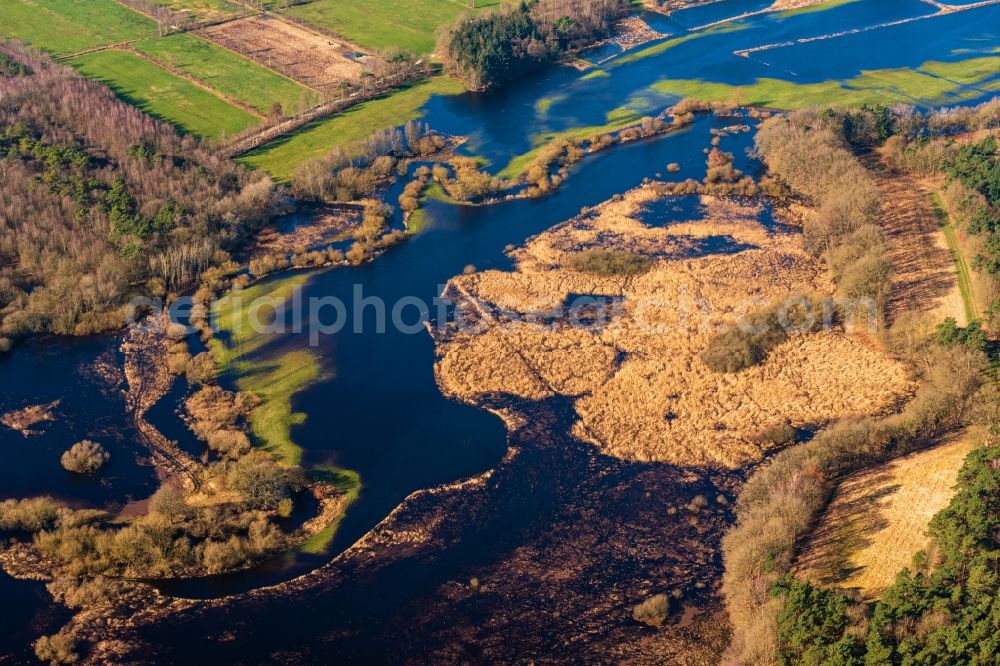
column 642, row 391
column 878, row 519
column 307, row 57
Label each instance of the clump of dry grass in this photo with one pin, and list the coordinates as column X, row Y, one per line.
column 642, row 390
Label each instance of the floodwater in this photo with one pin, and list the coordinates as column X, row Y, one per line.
column 380, row 412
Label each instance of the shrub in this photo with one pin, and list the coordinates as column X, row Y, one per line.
column 779, row 434
column 653, row 611
column 28, row 515
column 733, row 350
column 609, row 262
column 85, row 457
column 261, row 481
column 218, row 556
column 168, row 501
column 229, row 443
column 86, row 592
column 748, row 342
column 201, row 369
column 56, row 649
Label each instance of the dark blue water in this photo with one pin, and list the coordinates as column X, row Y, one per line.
column 46, row 370
column 381, row 413
column 505, row 123
column 28, row 613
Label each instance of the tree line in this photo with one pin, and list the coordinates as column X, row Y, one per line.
column 492, row 48
column 775, row 618
column 102, row 202
column 928, row 145
column 942, row 609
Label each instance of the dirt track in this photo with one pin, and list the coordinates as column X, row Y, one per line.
column 925, row 279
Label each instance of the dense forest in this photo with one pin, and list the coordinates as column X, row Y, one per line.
column 102, row 202
column 495, row 47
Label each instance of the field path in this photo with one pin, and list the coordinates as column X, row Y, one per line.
column 878, row 519
column 925, row 277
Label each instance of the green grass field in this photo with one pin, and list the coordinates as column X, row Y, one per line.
column 69, row 26
column 280, row 157
column 406, row 24
column 348, row 482
column 164, row 95
column 228, row 72
column 617, row 119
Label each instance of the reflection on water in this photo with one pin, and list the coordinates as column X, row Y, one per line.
column 68, row 370
column 381, row 413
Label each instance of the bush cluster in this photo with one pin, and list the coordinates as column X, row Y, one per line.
column 808, row 152
column 609, row 262
column 85, row 457
column 747, row 342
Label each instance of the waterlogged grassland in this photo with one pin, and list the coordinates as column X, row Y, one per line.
column 617, row 119
column 163, row 94
column 932, row 83
column 280, row 157
column 275, row 378
column 69, row 26
column 349, row 483
column 228, row 72
column 405, row 24
column 237, row 318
